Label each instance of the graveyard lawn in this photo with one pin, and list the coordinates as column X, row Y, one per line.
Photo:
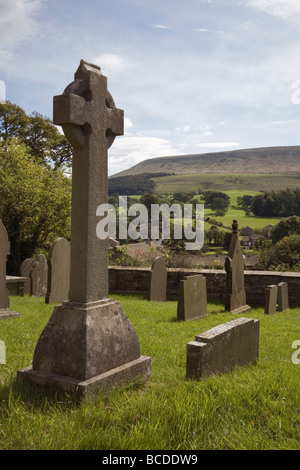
column 251, row 407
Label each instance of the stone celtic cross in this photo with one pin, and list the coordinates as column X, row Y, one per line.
column 88, row 342
column 90, row 121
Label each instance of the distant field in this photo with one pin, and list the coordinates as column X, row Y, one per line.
column 238, row 214
column 223, row 182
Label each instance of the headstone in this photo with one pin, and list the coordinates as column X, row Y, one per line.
column 58, row 272
column 158, row 280
column 5, row 311
column 271, row 299
column 283, row 297
column 88, row 343
column 25, row 271
column 192, row 301
column 235, row 343
column 4, row 252
column 235, row 300
column 39, row 276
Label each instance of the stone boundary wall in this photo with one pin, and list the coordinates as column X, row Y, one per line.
column 137, row 280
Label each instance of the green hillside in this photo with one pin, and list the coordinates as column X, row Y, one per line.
column 268, row 160
column 224, row 182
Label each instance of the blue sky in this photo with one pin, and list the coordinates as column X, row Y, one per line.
column 192, row 76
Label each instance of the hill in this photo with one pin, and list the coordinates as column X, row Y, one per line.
column 264, row 161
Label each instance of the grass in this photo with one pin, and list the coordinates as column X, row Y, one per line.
column 250, row 408
column 224, row 182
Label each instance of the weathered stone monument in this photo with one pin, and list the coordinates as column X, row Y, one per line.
column 220, row 349
column 25, row 271
column 283, row 297
column 36, row 273
column 39, row 276
column 271, row 299
column 192, row 299
column 158, row 280
column 58, row 272
column 5, row 311
column 88, row 343
column 235, row 300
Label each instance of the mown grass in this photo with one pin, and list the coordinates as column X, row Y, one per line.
column 253, row 407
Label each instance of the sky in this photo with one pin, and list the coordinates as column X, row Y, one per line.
column 192, row 76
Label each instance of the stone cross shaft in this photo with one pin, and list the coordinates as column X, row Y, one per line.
column 90, row 121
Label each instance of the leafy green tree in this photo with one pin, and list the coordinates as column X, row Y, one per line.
column 219, row 205
column 35, row 204
column 283, row 256
column 43, row 139
column 288, row 226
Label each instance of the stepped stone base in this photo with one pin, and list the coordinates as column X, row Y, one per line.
column 132, row 372
column 85, row 347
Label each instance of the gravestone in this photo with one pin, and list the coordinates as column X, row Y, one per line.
column 158, row 280
column 220, row 349
column 283, row 297
column 88, row 343
column 5, row 311
column 58, row 272
column 235, row 300
column 39, row 276
column 25, row 271
column 271, row 299
column 192, row 301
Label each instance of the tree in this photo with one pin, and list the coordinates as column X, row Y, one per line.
column 214, row 235
column 35, row 204
column 288, row 226
column 217, row 200
column 219, row 205
column 283, row 256
column 38, row 133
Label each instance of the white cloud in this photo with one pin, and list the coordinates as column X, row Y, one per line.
column 285, row 9
column 160, row 26
column 218, row 145
column 110, row 63
column 211, row 31
column 17, row 20
column 128, row 151
column 128, row 124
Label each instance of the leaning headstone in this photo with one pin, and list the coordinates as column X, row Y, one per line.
column 5, row 311
column 25, row 271
column 192, row 301
column 58, row 272
column 235, row 300
column 235, row 343
column 158, row 280
column 283, row 297
column 271, row 299
column 39, row 276
column 88, row 343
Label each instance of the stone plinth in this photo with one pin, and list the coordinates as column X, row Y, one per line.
column 93, row 349
column 235, row 343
